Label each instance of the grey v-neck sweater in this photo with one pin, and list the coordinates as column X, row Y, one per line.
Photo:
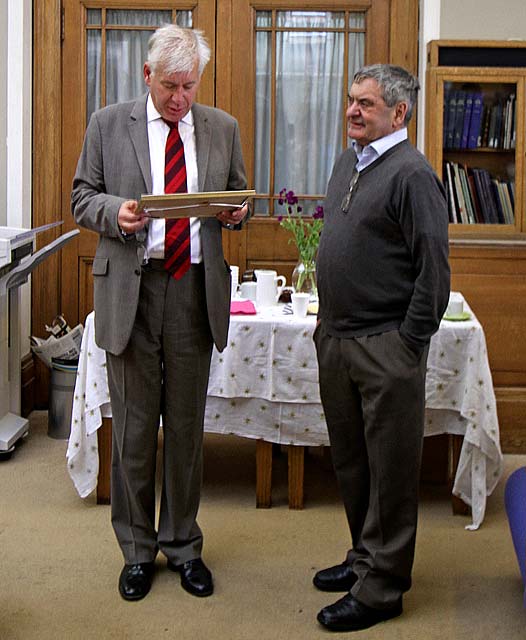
column 383, row 265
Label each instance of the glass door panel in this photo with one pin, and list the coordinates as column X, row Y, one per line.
column 116, row 48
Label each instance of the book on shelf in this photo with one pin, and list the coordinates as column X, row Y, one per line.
column 489, row 196
column 492, row 125
column 502, row 188
column 509, row 127
column 510, row 201
column 494, row 183
column 474, row 196
column 511, row 190
column 451, row 108
column 476, row 121
column 470, row 209
column 445, row 116
column 484, row 130
column 452, row 207
column 459, row 119
column 468, row 108
column 462, row 211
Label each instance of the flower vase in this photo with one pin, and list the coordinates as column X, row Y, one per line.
column 304, row 279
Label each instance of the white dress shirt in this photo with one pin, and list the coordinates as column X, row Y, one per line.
column 157, row 134
column 372, row 151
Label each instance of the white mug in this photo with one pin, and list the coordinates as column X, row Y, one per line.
column 300, row 303
column 455, row 305
column 248, row 290
column 269, row 287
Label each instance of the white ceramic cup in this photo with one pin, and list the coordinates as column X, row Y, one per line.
column 269, row 287
column 455, row 305
column 248, row 290
column 300, row 303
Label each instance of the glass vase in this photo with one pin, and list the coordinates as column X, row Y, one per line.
column 304, row 279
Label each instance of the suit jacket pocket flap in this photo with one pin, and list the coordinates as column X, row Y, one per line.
column 100, row 267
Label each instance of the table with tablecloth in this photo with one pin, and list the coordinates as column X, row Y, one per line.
column 264, row 385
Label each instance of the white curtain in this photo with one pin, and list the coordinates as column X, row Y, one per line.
column 126, row 51
column 310, row 92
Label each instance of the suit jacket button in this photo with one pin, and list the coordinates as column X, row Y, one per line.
column 137, row 272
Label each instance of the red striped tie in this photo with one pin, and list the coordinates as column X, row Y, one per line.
column 177, row 232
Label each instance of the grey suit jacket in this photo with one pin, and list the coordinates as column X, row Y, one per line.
column 114, row 166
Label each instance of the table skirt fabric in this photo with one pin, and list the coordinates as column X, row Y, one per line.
column 264, row 385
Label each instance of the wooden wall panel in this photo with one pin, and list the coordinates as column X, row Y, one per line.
column 46, row 281
column 85, row 287
column 493, row 282
column 492, row 278
column 511, row 407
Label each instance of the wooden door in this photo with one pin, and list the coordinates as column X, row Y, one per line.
column 100, row 37
column 257, row 55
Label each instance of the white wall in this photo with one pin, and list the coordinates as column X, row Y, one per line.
column 15, row 128
column 483, row 19
column 3, row 113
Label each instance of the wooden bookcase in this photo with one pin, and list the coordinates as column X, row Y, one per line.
column 487, row 246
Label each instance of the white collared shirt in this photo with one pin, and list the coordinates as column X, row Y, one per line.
column 157, row 134
column 372, row 151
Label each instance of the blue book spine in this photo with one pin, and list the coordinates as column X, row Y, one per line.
column 459, row 119
column 468, row 108
column 476, row 121
column 452, row 112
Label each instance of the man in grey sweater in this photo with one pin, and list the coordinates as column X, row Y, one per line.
column 383, row 281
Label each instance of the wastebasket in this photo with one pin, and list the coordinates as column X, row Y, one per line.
column 63, row 376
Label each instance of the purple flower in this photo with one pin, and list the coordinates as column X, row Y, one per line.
column 280, row 218
column 300, row 209
column 318, row 213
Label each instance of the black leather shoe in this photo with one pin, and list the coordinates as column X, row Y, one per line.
column 338, row 578
column 135, row 580
column 349, row 614
column 196, row 578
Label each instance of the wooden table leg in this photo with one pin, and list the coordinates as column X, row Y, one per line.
column 455, row 442
column 263, row 474
column 296, row 473
column 103, row 479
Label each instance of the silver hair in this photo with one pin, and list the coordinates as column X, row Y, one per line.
column 396, row 84
column 173, row 49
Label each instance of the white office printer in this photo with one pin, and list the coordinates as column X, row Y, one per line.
column 17, row 261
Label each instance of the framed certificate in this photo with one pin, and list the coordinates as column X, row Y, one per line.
column 185, row 205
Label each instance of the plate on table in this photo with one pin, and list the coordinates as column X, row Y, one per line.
column 459, row 317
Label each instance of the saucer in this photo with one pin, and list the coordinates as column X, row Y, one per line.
column 458, row 317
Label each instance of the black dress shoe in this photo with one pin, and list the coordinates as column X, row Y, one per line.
column 195, row 577
column 135, row 580
column 338, row 578
column 349, row 614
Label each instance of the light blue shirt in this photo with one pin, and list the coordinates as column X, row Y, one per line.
column 371, row 152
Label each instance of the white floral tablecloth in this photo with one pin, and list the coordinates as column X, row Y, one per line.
column 265, row 386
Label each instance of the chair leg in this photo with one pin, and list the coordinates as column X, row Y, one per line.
column 296, row 475
column 263, row 474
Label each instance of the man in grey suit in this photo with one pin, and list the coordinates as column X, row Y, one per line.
column 157, row 328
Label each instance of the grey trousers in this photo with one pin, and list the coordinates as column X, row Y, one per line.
column 373, row 395
column 163, row 371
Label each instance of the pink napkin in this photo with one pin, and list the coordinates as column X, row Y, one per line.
column 242, row 307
